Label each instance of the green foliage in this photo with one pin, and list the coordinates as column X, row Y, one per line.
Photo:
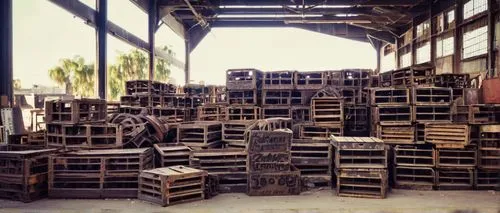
column 75, row 75
column 17, row 83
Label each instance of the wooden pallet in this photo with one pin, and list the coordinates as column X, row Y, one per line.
column 301, row 97
column 36, row 139
column 354, row 96
column 236, row 132
column 212, row 113
column 133, row 110
column 356, row 120
column 394, row 115
column 85, row 136
column 432, row 96
column 141, row 100
column 171, row 114
column 167, row 154
column 301, row 114
column 429, row 113
column 200, row 134
column 113, row 107
column 276, row 112
column 269, row 141
column 312, row 158
column 142, row 86
column 414, row 156
column 415, row 178
column 111, row 173
column 452, row 80
column 456, row 158
column 486, row 179
column 234, row 182
column 327, row 111
column 219, row 161
column 413, row 76
column 172, row 185
column 484, row 114
column 310, row 80
column 385, row 79
column 279, row 80
column 244, row 97
column 243, row 79
column 356, row 78
column 334, row 78
column 390, row 96
column 396, row 134
column 443, row 134
column 276, row 97
column 360, row 152
column 309, row 130
column 23, row 174
column 489, row 147
column 241, row 113
column 362, row 183
column 75, row 111
column 285, row 183
column 455, row 178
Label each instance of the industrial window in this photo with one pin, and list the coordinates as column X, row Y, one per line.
column 424, row 53
column 445, row 21
column 450, row 16
column 405, row 60
column 474, row 7
column 445, row 46
column 475, row 42
column 423, row 29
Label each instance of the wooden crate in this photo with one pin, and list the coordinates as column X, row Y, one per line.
column 489, row 147
column 212, row 113
column 75, row 111
column 279, row 80
column 172, row 185
column 327, row 111
column 219, row 161
column 356, row 120
column 269, row 162
column 85, row 136
column 364, row 183
column 276, row 112
column 455, row 178
column 432, row 113
column 111, row 173
column 414, row 156
column 243, row 79
column 244, row 97
column 36, row 139
column 301, row 97
column 486, row 179
column 432, row 96
column 447, row 134
column 234, row 182
column 141, row 100
column 354, row 96
column 23, row 174
column 360, row 152
column 113, row 107
column 167, row 154
column 133, row 110
column 236, row 132
column 309, row 130
column 415, row 178
column 241, row 113
column 272, row 124
column 269, row 141
column 356, row 77
column 301, row 114
column 413, row 76
column 171, row 114
column 452, row 80
column 285, row 183
column 394, row 115
column 396, row 134
column 310, row 80
column 419, row 133
column 385, row 79
column 276, row 97
column 142, row 86
column 200, row 134
column 313, row 158
column 456, row 158
column 484, row 114
column 334, row 78
column 390, row 96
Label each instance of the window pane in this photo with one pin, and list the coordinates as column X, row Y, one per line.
column 423, row 53
column 475, row 42
column 448, row 46
column 439, row 47
column 405, row 60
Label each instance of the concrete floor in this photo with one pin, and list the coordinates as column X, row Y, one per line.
column 309, row 202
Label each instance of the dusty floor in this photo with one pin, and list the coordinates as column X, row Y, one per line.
column 311, row 202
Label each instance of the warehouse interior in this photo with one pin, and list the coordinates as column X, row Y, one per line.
column 424, row 135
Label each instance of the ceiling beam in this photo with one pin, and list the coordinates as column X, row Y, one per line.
column 364, row 3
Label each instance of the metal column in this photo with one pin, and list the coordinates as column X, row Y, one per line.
column 101, row 37
column 152, row 23
column 491, row 38
column 186, row 61
column 6, row 49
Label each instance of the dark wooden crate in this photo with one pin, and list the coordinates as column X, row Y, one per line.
column 432, row 113
column 396, row 134
column 414, row 156
column 243, row 79
column 142, row 86
column 111, row 173
column 279, row 80
column 276, row 97
column 432, row 96
column 23, row 174
column 219, row 161
column 390, row 96
column 394, row 115
column 200, row 134
column 327, row 110
column 269, row 141
column 84, row 136
column 241, row 113
column 269, row 162
column 167, row 154
column 309, row 130
column 141, row 100
column 133, row 110
column 312, row 158
column 486, row 179
column 447, row 134
column 237, row 132
column 301, row 114
column 455, row 178
column 276, row 112
column 334, row 78
column 75, row 111
column 355, row 96
column 172, row 185
column 244, row 97
column 416, row 178
column 272, row 184
column 385, row 79
column 171, row 114
column 310, row 80
column 413, row 76
column 301, row 97
column 363, row 183
column 484, row 114
column 356, row 77
column 212, row 113
column 456, row 158
column 356, row 120
column 360, row 152
column 234, row 182
column 489, row 147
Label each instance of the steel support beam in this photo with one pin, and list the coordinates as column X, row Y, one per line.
column 492, row 9
column 101, row 37
column 152, row 23
column 359, row 3
column 6, row 86
column 187, row 62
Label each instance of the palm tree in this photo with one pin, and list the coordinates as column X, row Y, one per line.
column 62, row 74
column 75, row 75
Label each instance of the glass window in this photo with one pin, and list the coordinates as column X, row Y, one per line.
column 474, row 7
column 451, row 16
column 424, row 53
column 445, row 47
column 405, row 60
column 475, row 42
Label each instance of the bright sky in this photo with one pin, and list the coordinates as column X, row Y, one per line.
column 45, row 33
